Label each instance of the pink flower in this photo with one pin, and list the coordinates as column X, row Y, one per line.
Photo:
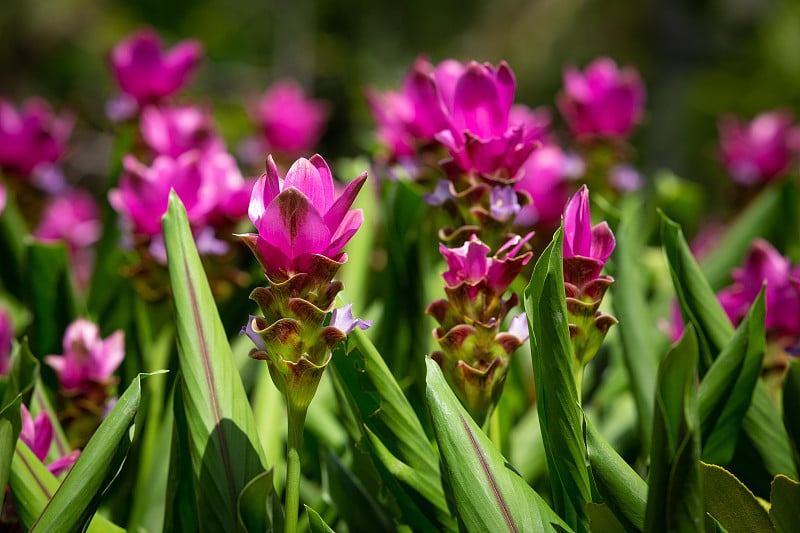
column 299, row 216
column 602, row 100
column 37, row 434
column 6, row 341
column 418, row 112
column 87, row 360
column 544, row 178
column 471, row 264
column 759, row 150
column 581, row 239
column 73, row 218
column 147, row 72
column 210, row 186
column 291, row 123
column 31, row 137
column 480, row 136
column 765, row 263
column 174, row 130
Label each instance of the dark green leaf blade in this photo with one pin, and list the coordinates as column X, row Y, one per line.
column 731, row 503
column 560, row 415
column 791, row 404
column 223, row 441
column 785, row 500
column 10, row 426
column 675, row 485
column 488, row 495
column 315, row 522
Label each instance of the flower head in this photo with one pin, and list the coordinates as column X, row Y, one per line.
column 581, row 239
column 765, row 264
column 291, row 123
column 759, row 150
column 32, row 136
column 147, row 72
column 299, row 217
column 603, row 100
column 73, row 218
column 88, row 360
column 38, row 435
column 174, row 130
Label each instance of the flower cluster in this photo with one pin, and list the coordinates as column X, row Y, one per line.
column 302, row 227
column 586, row 249
column 761, row 150
column 474, row 354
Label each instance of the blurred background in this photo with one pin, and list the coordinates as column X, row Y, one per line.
column 699, row 59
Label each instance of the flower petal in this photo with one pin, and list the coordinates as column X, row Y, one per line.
column 337, row 212
column 292, row 224
column 305, row 176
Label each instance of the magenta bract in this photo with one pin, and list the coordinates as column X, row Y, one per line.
column 299, row 216
column 603, row 100
column 38, row 435
column 174, row 130
column 291, row 123
column 72, row 217
column 88, row 360
column 31, row 137
column 581, row 239
column 147, row 72
column 759, row 150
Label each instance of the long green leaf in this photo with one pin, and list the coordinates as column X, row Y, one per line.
column 732, row 504
column 560, row 414
column 699, row 306
column 315, row 522
column 488, row 495
column 10, row 427
column 727, row 388
column 791, row 404
column 785, row 500
column 223, row 442
column 180, row 513
column 77, row 498
column 675, row 485
column 637, row 326
column 619, row 485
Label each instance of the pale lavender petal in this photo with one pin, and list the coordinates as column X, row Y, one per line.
column 209, row 244
column 248, row 330
column 342, row 319
column 519, row 327
column 440, row 194
column 625, row 178
column 121, row 107
column 503, row 202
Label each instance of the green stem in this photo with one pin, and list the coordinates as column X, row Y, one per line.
column 296, row 419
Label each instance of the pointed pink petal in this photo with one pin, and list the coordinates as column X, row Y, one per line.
column 28, row 432
column 335, row 215
column 352, row 221
column 109, row 357
column 304, row 176
column 60, row 465
column 577, row 225
column 602, row 242
column 476, row 107
column 326, row 180
column 256, row 208
column 273, row 185
column 43, row 435
column 506, row 85
column 292, row 224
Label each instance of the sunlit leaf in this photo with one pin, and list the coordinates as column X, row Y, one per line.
column 732, row 504
column 785, row 500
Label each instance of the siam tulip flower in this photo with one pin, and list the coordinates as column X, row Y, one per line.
column 544, row 178
column 32, row 137
column 147, row 72
column 586, row 249
column 291, row 123
column 760, row 150
column 474, row 354
column 603, row 100
column 480, row 137
column 765, row 264
column 37, row 434
column 6, row 342
column 175, row 130
column 88, row 362
column 299, row 218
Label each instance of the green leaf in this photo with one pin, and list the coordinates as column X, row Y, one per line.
column 77, row 498
column 51, row 295
column 675, row 495
column 13, row 235
column 727, row 388
column 732, row 504
column 637, row 327
column 358, row 508
column 10, row 426
column 22, row 376
column 315, row 522
column 256, row 504
column 785, row 499
column 791, row 403
column 700, row 307
column 388, row 419
column 619, row 485
column 181, row 498
column 602, row 519
column 223, row 443
column 560, row 414
column 488, row 495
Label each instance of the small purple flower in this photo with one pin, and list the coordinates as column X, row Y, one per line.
column 291, row 123
column 503, row 202
column 624, row 177
column 147, row 72
column 603, row 100
column 299, row 216
column 342, row 319
column 174, row 130
column 88, row 360
column 759, row 150
column 765, row 264
column 519, row 327
column 480, row 136
column 440, row 194
column 31, row 137
column 581, row 239
column 6, row 341
column 544, row 178
column 37, row 434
